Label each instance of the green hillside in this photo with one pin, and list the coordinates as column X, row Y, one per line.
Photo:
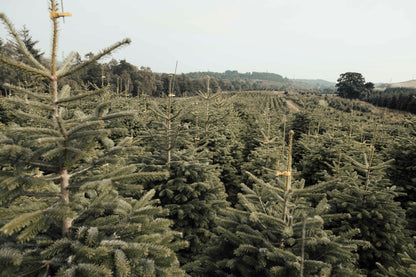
column 317, row 83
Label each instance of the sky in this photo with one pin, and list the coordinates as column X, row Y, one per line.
column 298, row 39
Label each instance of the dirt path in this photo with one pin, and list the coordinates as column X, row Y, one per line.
column 292, row 106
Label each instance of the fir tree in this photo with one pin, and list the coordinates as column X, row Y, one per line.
column 406, row 267
column 193, row 192
column 402, row 173
column 64, row 180
column 276, row 230
column 217, row 129
column 369, row 198
column 269, row 154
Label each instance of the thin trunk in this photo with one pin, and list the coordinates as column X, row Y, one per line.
column 118, row 86
column 169, row 122
column 283, row 139
column 268, row 120
column 64, row 193
column 317, row 132
column 102, row 77
column 67, row 222
column 207, row 107
column 127, row 87
column 288, row 174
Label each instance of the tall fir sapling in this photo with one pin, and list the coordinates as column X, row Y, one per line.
column 369, row 198
column 402, row 172
column 277, row 230
column 193, row 192
column 219, row 135
column 267, row 157
column 64, row 179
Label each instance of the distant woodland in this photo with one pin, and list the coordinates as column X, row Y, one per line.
column 130, row 80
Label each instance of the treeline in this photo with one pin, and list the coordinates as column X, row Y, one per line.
column 403, row 99
column 235, row 75
column 130, row 80
column 121, row 76
column 352, row 85
column 246, row 81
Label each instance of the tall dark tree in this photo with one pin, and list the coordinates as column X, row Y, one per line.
column 351, row 85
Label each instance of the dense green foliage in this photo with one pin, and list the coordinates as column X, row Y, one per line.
column 403, row 99
column 352, row 85
column 72, row 199
column 96, row 182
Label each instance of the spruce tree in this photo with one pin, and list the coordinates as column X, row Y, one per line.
column 67, row 183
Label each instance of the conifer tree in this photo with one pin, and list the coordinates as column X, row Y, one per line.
column 369, row 198
column 268, row 156
column 217, row 129
column 402, row 173
column 276, row 230
column 193, row 192
column 406, row 267
column 64, row 180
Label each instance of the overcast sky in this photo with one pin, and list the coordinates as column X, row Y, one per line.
column 308, row 39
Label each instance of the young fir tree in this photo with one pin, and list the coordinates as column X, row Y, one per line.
column 406, row 267
column 268, row 156
column 217, row 129
column 247, row 112
column 369, row 198
column 193, row 192
column 277, row 230
column 402, row 172
column 320, row 152
column 63, row 180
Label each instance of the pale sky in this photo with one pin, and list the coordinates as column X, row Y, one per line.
column 307, row 39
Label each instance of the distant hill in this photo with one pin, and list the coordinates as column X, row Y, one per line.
column 265, row 80
column 235, row 75
column 318, row 83
column 405, row 84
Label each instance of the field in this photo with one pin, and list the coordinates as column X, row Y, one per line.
column 231, row 177
column 98, row 181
